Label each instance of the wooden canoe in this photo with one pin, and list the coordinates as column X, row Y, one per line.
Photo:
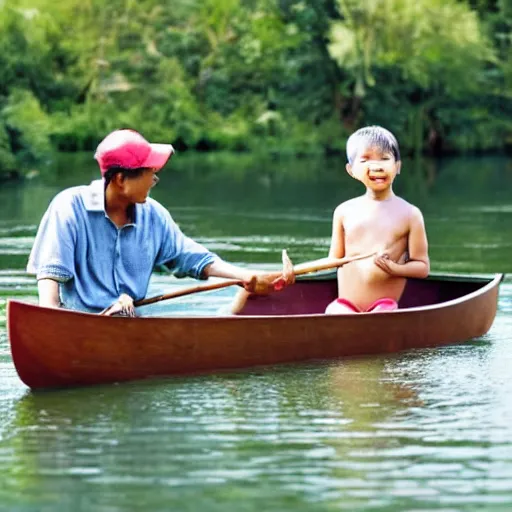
column 59, row 348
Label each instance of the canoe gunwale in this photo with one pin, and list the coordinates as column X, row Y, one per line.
column 324, row 275
column 491, row 281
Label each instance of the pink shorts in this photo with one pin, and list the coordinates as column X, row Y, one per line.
column 344, row 306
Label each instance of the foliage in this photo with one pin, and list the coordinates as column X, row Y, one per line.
column 430, row 43
column 29, row 126
column 285, row 76
column 419, row 53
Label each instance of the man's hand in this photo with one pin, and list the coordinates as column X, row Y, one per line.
column 263, row 284
column 122, row 307
column 288, row 275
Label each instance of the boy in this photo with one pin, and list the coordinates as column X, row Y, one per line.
column 376, row 221
column 97, row 245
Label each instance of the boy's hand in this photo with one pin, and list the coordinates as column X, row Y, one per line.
column 385, row 263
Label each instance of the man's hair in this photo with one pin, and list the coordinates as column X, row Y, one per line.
column 127, row 173
column 372, row 136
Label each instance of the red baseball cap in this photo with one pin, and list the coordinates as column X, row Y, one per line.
column 129, row 149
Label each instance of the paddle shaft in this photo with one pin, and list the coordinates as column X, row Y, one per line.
column 187, row 291
column 316, row 266
column 301, row 269
column 307, row 268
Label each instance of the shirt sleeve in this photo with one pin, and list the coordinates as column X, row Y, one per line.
column 52, row 255
column 182, row 255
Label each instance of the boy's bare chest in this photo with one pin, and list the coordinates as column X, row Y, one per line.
column 377, row 225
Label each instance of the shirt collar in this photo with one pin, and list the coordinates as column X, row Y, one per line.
column 93, row 196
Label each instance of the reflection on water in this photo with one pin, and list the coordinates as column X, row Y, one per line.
column 424, row 430
column 421, row 428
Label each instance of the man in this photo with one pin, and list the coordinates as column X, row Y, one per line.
column 97, row 245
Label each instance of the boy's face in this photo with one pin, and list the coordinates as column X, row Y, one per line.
column 374, row 167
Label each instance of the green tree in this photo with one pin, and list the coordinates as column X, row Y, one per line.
column 421, row 51
column 284, row 75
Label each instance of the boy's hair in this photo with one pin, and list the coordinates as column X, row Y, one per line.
column 372, row 136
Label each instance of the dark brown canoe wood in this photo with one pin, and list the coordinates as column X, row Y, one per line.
column 60, row 348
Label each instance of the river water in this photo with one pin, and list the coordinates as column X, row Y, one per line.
column 422, row 430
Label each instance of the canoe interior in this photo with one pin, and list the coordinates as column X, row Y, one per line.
column 311, row 296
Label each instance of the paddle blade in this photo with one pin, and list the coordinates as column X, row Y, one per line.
column 288, row 276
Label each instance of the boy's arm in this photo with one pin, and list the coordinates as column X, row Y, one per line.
column 337, row 249
column 418, row 264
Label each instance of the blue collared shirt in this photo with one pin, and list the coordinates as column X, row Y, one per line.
column 95, row 261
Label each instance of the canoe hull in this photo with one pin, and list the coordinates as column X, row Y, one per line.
column 58, row 348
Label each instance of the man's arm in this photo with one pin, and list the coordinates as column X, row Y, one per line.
column 255, row 281
column 418, row 264
column 48, row 293
column 221, row 268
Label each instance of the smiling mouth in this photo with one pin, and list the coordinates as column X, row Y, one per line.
column 379, row 179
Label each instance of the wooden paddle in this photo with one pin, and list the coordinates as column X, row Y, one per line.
column 301, row 269
column 187, row 291
column 316, row 266
column 181, row 293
